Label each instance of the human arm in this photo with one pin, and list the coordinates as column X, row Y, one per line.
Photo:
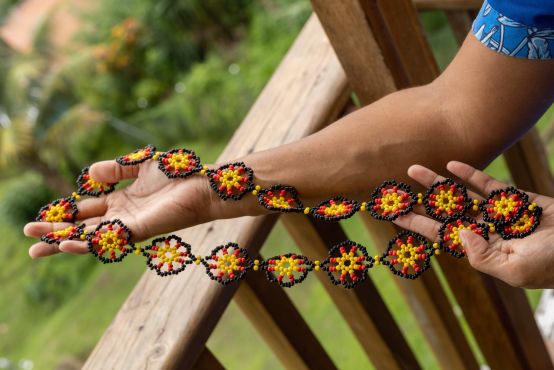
column 428, row 124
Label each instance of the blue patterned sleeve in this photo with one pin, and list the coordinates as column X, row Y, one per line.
column 507, row 36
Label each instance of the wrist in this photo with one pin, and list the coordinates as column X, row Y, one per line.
column 218, row 208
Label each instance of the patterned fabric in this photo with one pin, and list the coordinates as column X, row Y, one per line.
column 506, row 36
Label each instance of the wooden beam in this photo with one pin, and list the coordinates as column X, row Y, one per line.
column 164, row 323
column 348, row 25
column 207, row 361
column 448, row 4
column 363, row 308
column 273, row 314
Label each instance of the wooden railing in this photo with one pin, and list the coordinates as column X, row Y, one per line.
column 164, row 323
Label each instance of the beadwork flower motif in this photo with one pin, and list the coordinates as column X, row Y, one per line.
column 448, row 234
column 136, row 157
column 503, row 206
column 86, row 185
column 280, row 198
column 347, row 264
column 391, row 200
column 227, row 263
column 69, row 233
column 446, row 199
column 111, row 241
column 524, row 225
column 231, row 181
column 334, row 209
column 408, row 255
column 179, row 163
column 168, row 255
column 60, row 210
column 287, row 269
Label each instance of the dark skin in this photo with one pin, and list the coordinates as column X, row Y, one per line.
column 483, row 101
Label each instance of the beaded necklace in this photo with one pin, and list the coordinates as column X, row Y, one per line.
column 408, row 254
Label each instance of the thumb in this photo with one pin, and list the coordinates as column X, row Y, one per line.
column 478, row 251
column 112, row 172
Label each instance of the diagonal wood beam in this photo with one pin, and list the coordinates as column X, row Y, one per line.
column 164, row 323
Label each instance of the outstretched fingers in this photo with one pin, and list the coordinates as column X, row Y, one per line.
column 479, row 180
column 427, row 177
column 423, row 225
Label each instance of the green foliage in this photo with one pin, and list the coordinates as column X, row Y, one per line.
column 21, row 197
column 211, row 99
column 5, row 8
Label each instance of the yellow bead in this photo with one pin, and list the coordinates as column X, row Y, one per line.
column 437, row 251
column 316, row 268
column 155, row 157
column 435, row 245
column 475, row 208
column 306, row 210
column 254, row 192
column 475, row 201
column 258, row 187
column 255, row 268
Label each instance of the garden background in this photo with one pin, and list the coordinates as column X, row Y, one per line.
column 114, row 77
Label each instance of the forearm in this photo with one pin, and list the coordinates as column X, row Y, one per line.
column 353, row 155
column 478, row 107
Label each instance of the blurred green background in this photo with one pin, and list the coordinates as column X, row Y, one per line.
column 170, row 73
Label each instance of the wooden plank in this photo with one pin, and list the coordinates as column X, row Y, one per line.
column 528, row 164
column 164, row 323
column 363, row 308
column 273, row 314
column 207, row 361
column 359, row 54
column 396, row 21
column 448, row 4
column 349, row 34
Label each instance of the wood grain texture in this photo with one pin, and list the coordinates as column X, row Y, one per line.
column 362, row 308
column 348, row 30
column 342, row 24
column 448, row 4
column 207, row 361
column 164, row 323
column 274, row 316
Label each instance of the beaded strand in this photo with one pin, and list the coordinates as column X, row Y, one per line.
column 408, row 254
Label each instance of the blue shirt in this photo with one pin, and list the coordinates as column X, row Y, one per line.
column 518, row 28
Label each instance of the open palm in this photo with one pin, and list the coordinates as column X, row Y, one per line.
column 526, row 262
column 151, row 205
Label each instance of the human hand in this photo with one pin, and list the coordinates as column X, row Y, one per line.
column 527, row 262
column 152, row 205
